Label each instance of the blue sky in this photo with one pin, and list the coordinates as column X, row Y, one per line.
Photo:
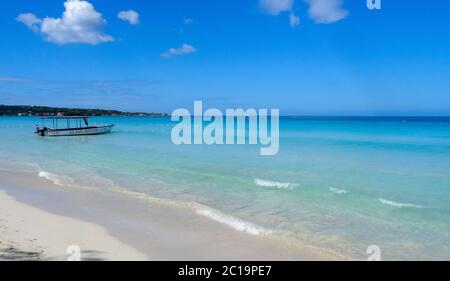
column 306, row 57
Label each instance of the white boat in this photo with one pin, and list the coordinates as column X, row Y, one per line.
column 75, row 126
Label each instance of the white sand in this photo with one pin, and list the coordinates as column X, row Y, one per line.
column 39, row 220
column 28, row 233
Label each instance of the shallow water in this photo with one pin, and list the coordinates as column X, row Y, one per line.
column 338, row 183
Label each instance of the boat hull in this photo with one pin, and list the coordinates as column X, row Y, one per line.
column 78, row 131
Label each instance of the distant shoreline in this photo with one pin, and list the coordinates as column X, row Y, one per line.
column 37, row 111
column 33, row 111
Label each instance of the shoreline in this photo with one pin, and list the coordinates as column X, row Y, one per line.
column 135, row 229
column 29, row 233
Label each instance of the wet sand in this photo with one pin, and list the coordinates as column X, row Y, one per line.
column 39, row 220
column 29, row 233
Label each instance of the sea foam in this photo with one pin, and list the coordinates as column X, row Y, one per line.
column 338, row 191
column 398, row 204
column 233, row 222
column 199, row 209
column 268, row 183
column 56, row 179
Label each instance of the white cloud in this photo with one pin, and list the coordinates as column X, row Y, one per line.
column 275, row 7
column 13, row 79
column 188, row 21
column 80, row 23
column 294, row 20
column 29, row 20
column 183, row 50
column 132, row 17
column 326, row 11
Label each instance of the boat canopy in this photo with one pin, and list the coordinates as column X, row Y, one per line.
column 79, row 120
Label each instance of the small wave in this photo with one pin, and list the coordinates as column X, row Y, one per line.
column 233, row 222
column 202, row 210
column 267, row 183
column 398, row 204
column 56, row 179
column 338, row 191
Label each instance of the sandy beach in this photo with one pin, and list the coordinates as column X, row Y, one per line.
column 40, row 220
column 29, row 233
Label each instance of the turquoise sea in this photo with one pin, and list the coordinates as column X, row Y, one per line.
column 340, row 184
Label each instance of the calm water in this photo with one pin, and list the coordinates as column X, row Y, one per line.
column 341, row 184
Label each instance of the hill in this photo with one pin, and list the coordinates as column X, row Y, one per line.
column 27, row 110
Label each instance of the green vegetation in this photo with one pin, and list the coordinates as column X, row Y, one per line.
column 26, row 110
